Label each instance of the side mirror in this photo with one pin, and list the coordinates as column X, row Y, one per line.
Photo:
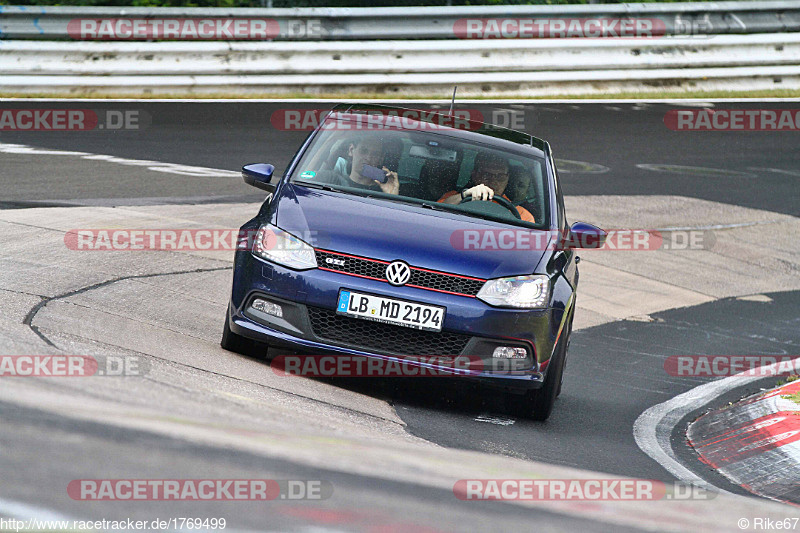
column 584, row 235
column 259, row 175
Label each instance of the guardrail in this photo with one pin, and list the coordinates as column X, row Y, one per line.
column 52, row 22
column 730, row 62
column 403, row 58
column 742, row 53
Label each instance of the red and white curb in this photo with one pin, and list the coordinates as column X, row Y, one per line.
column 755, row 443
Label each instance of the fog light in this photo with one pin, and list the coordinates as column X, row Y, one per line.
column 267, row 307
column 509, row 352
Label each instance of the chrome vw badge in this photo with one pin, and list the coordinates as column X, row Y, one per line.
column 398, row 273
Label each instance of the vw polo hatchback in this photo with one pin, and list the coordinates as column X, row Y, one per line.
column 408, row 239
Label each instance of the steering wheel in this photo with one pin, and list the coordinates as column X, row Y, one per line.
column 497, row 199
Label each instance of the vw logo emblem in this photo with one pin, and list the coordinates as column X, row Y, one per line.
column 398, row 273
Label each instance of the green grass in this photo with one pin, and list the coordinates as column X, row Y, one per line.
column 794, row 397
column 776, row 93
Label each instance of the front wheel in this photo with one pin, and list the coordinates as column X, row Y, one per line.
column 238, row 344
column 231, row 341
column 538, row 404
column 566, row 353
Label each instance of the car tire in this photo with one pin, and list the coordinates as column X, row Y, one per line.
column 545, row 397
column 538, row 404
column 241, row 345
column 566, row 354
column 231, row 341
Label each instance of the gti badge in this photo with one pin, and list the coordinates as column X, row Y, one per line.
column 332, row 261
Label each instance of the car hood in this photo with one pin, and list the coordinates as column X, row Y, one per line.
column 379, row 229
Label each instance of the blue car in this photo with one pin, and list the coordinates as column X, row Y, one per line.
column 414, row 238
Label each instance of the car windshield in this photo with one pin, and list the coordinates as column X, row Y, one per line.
column 430, row 166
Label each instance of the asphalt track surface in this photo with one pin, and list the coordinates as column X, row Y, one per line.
column 615, row 371
column 72, row 448
column 226, row 136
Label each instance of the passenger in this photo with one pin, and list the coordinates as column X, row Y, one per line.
column 363, row 150
column 490, row 177
column 519, row 183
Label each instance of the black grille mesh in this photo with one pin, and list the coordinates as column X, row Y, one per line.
column 420, row 278
column 352, row 265
column 383, row 338
column 444, row 282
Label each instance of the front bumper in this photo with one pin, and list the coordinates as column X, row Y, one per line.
column 306, row 296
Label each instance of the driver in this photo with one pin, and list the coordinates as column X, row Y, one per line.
column 364, row 150
column 490, row 174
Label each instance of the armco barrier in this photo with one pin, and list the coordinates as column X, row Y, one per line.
column 708, row 46
column 359, row 24
column 548, row 66
column 496, row 84
column 197, row 58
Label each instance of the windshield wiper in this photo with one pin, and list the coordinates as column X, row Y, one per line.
column 355, row 191
column 313, row 185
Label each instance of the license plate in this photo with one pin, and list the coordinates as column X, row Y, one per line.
column 390, row 311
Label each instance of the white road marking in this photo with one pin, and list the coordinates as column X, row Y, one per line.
column 653, row 429
column 155, row 166
column 794, row 173
column 763, row 298
column 695, row 171
column 495, row 420
column 720, row 226
column 567, row 166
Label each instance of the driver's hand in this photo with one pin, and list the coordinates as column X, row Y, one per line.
column 481, row 192
column 392, row 185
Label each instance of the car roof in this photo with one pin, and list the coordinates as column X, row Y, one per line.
column 476, row 130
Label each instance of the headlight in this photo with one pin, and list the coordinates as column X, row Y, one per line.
column 520, row 291
column 274, row 244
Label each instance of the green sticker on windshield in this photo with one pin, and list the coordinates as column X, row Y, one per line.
column 308, row 174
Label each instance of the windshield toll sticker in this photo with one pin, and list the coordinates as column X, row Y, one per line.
column 308, row 174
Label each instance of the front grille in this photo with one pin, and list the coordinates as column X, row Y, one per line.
column 383, row 338
column 445, row 282
column 373, row 268
column 352, row 265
